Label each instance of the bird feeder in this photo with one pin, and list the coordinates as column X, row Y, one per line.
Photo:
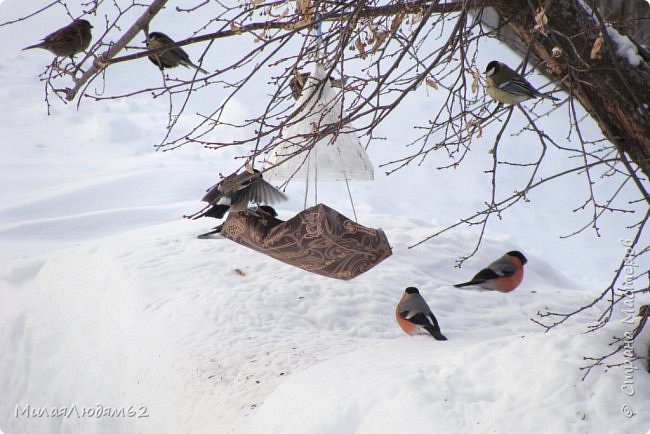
column 318, row 239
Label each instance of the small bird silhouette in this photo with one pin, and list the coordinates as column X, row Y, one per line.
column 235, row 191
column 414, row 316
column 503, row 275
column 507, row 86
column 171, row 57
column 67, row 41
column 298, row 81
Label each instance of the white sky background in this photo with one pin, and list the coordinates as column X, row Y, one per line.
column 437, row 198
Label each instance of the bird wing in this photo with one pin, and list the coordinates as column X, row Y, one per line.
column 213, row 195
column 416, row 318
column 65, row 35
column 413, row 306
column 182, row 55
column 157, row 39
column 225, row 187
column 216, row 211
column 258, row 191
column 482, row 276
column 427, row 321
column 519, row 86
column 62, row 34
column 502, row 267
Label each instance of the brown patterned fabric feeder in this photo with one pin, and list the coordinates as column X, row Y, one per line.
column 318, row 239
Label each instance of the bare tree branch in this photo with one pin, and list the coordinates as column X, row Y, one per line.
column 100, row 62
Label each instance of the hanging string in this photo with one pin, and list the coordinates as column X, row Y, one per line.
column 318, row 31
column 354, row 211
column 304, row 205
column 315, row 176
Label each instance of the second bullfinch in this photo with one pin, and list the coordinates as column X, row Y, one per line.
column 414, row 316
column 503, row 275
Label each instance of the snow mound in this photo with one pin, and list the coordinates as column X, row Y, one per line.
column 206, row 336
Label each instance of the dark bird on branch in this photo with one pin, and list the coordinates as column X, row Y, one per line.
column 67, row 41
column 171, row 57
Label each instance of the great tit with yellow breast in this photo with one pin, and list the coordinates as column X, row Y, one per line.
column 508, row 87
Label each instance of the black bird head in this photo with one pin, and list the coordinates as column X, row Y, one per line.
column 492, row 68
column 517, row 254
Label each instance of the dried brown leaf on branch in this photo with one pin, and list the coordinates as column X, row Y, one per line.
column 396, row 22
column 360, row 46
column 595, row 49
column 377, row 39
column 541, row 20
column 477, row 79
column 235, row 28
column 304, row 9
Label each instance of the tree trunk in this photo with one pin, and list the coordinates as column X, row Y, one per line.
column 631, row 17
column 614, row 92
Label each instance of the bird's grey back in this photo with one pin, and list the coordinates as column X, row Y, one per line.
column 503, row 266
column 414, row 303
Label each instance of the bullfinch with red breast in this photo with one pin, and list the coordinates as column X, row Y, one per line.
column 503, row 275
column 414, row 316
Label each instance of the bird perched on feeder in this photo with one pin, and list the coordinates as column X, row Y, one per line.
column 414, row 316
column 170, row 58
column 235, row 191
column 67, row 41
column 507, row 86
column 268, row 216
column 503, row 275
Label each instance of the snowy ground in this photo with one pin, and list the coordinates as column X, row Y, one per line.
column 110, row 301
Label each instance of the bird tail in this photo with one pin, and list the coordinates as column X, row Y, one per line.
column 470, row 283
column 436, row 333
column 549, row 96
column 210, row 234
column 39, row 45
column 199, row 68
column 217, row 211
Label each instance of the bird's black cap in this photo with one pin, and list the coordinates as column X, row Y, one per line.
column 492, row 65
column 412, row 290
column 517, row 254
